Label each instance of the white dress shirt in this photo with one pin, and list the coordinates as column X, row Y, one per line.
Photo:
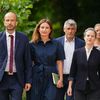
column 69, row 48
column 88, row 52
column 8, row 51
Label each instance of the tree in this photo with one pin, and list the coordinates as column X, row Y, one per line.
column 45, row 9
column 22, row 9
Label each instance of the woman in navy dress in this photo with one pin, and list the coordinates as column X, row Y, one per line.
column 47, row 55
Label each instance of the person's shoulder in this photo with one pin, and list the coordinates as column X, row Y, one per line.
column 31, row 43
column 21, row 35
column 56, row 42
column 80, row 49
column 2, row 34
column 60, row 38
column 79, row 39
column 96, row 49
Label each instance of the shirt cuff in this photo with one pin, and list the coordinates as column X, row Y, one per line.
column 70, row 78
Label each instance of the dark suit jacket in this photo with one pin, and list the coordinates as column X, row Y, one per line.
column 22, row 57
column 82, row 68
column 78, row 42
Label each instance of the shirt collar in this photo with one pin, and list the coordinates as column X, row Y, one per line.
column 7, row 34
column 65, row 40
column 89, row 50
column 40, row 41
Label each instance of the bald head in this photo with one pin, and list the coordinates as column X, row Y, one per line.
column 10, row 14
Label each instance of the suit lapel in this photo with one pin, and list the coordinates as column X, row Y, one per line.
column 76, row 43
column 84, row 56
column 62, row 40
column 4, row 52
column 16, row 41
column 92, row 54
column 4, row 41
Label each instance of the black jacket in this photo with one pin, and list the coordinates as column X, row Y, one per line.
column 82, row 68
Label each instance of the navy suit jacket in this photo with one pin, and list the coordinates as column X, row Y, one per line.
column 22, row 57
column 78, row 42
column 82, row 68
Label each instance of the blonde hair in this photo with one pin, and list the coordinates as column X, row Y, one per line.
column 98, row 24
column 36, row 34
column 89, row 29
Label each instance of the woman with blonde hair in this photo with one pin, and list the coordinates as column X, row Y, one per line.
column 97, row 41
column 85, row 69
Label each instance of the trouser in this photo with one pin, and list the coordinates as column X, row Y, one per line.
column 87, row 94
column 10, row 89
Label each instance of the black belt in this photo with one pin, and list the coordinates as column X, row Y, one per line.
column 65, row 75
column 10, row 74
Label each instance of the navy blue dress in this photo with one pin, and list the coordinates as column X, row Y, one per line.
column 44, row 57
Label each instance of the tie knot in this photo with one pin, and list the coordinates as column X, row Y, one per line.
column 11, row 36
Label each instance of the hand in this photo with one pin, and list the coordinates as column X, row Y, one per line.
column 27, row 86
column 59, row 84
column 69, row 91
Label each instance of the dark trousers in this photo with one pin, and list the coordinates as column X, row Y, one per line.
column 87, row 94
column 10, row 89
column 93, row 95
column 62, row 91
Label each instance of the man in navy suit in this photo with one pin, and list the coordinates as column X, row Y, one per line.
column 70, row 43
column 15, row 64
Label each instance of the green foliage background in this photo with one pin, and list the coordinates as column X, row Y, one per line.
column 22, row 9
column 85, row 13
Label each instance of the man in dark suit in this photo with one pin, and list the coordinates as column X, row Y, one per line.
column 70, row 43
column 15, row 61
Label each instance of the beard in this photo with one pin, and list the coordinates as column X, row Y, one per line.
column 10, row 28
